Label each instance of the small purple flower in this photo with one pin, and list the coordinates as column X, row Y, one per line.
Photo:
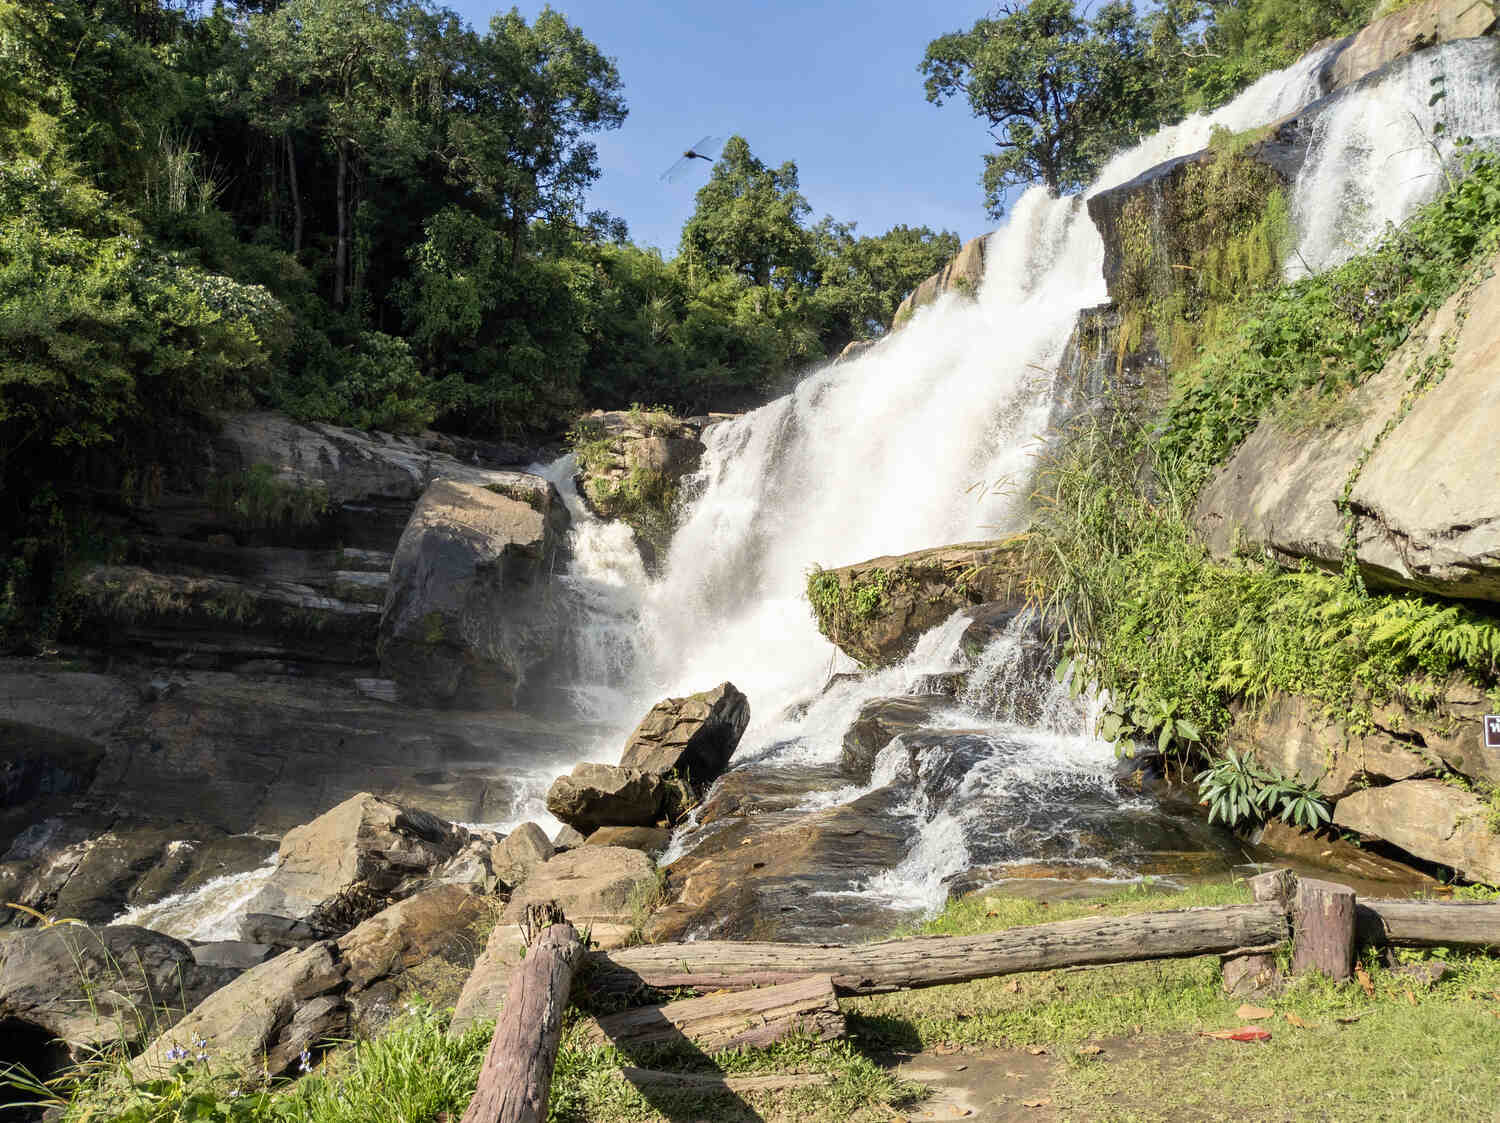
column 306, row 1061
column 177, row 1053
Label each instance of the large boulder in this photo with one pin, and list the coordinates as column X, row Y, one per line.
column 1292, row 734
column 260, row 1023
column 603, row 795
column 519, row 853
column 693, row 736
column 606, row 889
column 630, row 466
column 1433, row 820
column 876, row 610
column 467, row 615
column 69, row 989
column 1424, row 518
column 346, row 865
column 963, row 276
column 1410, row 28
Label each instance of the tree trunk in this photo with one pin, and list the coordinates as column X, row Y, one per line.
column 934, row 960
column 1323, row 929
column 727, row 1021
column 296, row 193
column 517, row 1075
column 341, row 249
column 1425, row 924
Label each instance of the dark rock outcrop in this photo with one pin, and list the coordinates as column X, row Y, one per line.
column 693, row 736
column 69, row 989
column 466, row 616
column 879, row 723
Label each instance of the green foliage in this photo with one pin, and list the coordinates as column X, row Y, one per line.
column 841, row 607
column 1170, row 632
column 1326, row 333
column 1225, row 233
column 1237, row 789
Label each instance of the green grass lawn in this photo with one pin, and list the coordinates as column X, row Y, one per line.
column 1410, row 1050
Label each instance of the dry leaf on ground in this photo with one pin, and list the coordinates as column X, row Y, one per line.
column 1411, row 999
column 1250, row 1013
column 1013, row 987
column 1244, row 1033
column 1035, row 1050
column 1089, row 1050
column 1292, row 1019
column 1037, row 1103
column 1364, row 980
column 946, row 1049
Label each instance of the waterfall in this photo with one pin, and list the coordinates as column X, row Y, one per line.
column 1377, row 157
column 929, row 438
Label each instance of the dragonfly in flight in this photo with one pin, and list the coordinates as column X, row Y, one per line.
column 704, row 150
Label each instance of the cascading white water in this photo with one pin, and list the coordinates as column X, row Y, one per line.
column 1377, row 157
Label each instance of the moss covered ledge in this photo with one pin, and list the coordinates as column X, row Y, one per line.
column 875, row 610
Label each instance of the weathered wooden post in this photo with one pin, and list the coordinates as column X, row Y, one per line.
column 517, row 1075
column 1323, row 929
column 1250, row 971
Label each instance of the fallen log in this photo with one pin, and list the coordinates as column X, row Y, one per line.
column 516, row 1079
column 934, row 960
column 727, row 1021
column 1425, row 924
column 700, row 1082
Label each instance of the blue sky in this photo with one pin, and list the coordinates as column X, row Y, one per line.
column 832, row 86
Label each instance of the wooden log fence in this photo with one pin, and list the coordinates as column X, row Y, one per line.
column 774, row 989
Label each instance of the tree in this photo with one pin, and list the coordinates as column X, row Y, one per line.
column 861, row 281
column 749, row 220
column 1059, row 91
column 524, row 100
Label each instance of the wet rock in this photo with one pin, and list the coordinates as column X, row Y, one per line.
column 786, row 876
column 880, row 722
column 240, row 955
column 1436, row 822
column 693, row 736
column 86, row 987
column 466, row 616
column 188, row 864
column 875, row 611
column 344, row 866
column 649, row 840
column 470, row 866
column 756, row 790
column 520, row 853
column 854, row 349
column 41, row 772
column 603, row 795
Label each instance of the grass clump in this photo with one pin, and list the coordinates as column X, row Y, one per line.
column 257, row 499
column 841, row 606
column 1156, row 621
